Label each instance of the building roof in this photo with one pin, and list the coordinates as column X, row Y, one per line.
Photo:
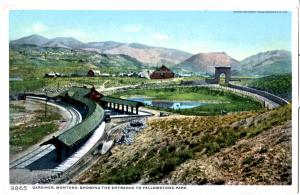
column 77, row 92
column 93, row 118
column 163, row 68
column 81, row 130
column 95, row 71
column 222, row 67
column 121, row 101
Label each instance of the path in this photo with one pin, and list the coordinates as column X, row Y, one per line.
column 267, row 102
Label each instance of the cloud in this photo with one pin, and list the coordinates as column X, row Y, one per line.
column 34, row 28
column 38, row 27
column 160, row 36
column 133, row 28
column 78, row 34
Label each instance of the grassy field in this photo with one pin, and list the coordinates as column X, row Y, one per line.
column 21, row 139
column 34, row 84
column 28, row 127
column 98, row 82
column 225, row 101
column 27, row 85
column 179, row 93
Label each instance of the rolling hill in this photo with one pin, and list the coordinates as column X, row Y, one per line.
column 206, row 62
column 148, row 55
column 63, row 42
column 37, row 40
column 261, row 64
column 265, row 63
column 28, row 61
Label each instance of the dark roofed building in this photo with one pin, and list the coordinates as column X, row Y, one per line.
column 162, row 73
column 93, row 73
column 90, row 103
column 69, row 141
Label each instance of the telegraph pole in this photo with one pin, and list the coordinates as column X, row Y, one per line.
column 46, row 104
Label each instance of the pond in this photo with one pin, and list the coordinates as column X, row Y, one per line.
column 168, row 103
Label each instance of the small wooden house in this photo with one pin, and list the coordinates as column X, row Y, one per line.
column 162, row 73
column 93, row 73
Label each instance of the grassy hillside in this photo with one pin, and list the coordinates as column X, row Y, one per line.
column 280, row 85
column 278, row 67
column 187, row 150
column 33, row 62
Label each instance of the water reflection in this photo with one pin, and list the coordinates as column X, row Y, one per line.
column 167, row 103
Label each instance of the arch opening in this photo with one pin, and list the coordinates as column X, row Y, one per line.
column 222, row 75
column 222, row 79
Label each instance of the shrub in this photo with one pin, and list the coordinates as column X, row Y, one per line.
column 128, row 175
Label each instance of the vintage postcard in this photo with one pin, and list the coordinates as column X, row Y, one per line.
column 159, row 100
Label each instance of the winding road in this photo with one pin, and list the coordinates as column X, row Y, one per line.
column 267, row 102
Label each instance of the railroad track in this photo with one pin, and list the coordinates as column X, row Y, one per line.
column 36, row 154
column 76, row 117
column 29, row 158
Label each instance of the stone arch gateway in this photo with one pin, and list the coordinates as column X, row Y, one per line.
column 218, row 71
column 221, row 70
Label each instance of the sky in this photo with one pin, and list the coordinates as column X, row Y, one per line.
column 239, row 34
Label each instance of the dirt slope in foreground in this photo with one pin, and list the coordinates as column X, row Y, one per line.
column 263, row 159
column 243, row 148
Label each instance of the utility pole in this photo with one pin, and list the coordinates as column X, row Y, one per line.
column 24, row 113
column 46, row 104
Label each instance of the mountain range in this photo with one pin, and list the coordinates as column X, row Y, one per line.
column 263, row 63
column 148, row 55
